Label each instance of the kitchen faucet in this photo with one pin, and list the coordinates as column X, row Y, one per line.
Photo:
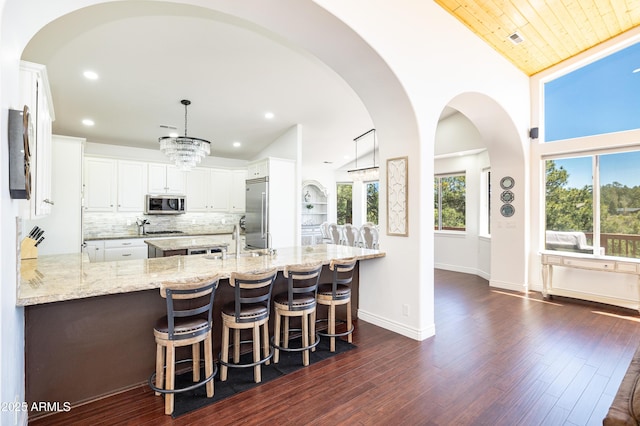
column 236, row 236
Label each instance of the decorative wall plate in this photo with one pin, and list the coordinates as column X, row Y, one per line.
column 507, row 210
column 507, row 197
column 507, row 182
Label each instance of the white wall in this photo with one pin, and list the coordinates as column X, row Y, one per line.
column 465, row 251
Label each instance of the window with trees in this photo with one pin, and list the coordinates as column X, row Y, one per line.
column 592, row 204
column 344, row 195
column 372, row 201
column 450, row 202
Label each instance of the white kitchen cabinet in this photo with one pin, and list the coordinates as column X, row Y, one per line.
column 215, row 190
column 166, row 179
column 258, row 169
column 100, row 186
column 95, row 250
column 237, row 198
column 114, row 185
column 125, row 249
column 220, row 189
column 132, row 185
column 35, row 93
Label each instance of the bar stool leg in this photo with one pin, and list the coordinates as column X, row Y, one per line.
column 195, row 355
column 285, row 339
column 236, row 345
column 225, row 352
column 313, row 330
column 305, row 338
column 276, row 338
column 256, row 353
column 159, row 367
column 349, row 325
column 171, row 374
column 208, row 363
column 265, row 339
column 332, row 326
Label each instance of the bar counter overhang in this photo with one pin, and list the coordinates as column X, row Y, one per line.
column 89, row 326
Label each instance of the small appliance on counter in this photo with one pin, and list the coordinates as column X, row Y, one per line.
column 164, row 204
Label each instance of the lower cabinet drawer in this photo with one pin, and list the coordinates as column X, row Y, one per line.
column 125, row 253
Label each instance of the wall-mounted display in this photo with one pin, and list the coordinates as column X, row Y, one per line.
column 507, row 197
column 507, row 210
column 507, row 182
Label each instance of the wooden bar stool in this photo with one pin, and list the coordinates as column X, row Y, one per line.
column 183, row 326
column 249, row 310
column 298, row 301
column 338, row 292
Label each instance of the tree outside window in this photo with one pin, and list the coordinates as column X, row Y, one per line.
column 450, row 202
column 344, row 194
column 372, row 202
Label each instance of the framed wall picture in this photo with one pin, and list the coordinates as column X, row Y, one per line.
column 397, row 196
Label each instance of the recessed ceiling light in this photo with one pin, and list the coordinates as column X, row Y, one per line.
column 88, row 122
column 269, row 115
column 173, row 134
column 237, row 144
column 90, row 75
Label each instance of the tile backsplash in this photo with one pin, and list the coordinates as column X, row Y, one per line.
column 97, row 225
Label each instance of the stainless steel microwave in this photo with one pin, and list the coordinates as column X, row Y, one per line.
column 164, row 204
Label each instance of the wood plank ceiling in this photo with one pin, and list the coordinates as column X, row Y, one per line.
column 552, row 30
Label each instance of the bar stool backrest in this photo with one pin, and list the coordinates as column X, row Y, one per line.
column 253, row 289
column 302, row 279
column 173, row 291
column 342, row 273
column 334, row 233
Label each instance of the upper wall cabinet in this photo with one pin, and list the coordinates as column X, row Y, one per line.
column 215, row 190
column 258, row 169
column 35, row 93
column 166, row 179
column 114, row 185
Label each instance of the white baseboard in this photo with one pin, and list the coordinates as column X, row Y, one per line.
column 509, row 286
column 463, row 269
column 396, row 327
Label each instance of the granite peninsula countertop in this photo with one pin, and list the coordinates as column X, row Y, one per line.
column 186, row 243
column 58, row 278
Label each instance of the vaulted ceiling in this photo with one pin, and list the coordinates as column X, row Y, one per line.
column 551, row 30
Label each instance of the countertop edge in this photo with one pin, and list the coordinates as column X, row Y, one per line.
column 146, row 280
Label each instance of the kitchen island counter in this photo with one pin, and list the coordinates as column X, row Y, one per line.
column 67, row 277
column 89, row 326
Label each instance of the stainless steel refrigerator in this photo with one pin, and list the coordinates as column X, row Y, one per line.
column 257, row 213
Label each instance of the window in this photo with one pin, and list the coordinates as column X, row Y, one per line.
column 485, row 203
column 372, row 201
column 344, row 195
column 450, row 202
column 598, row 98
column 594, row 201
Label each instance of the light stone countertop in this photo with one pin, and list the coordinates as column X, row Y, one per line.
column 57, row 278
column 133, row 234
column 186, row 243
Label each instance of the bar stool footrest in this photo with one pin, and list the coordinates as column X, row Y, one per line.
column 338, row 322
column 245, row 365
column 152, row 379
column 300, row 349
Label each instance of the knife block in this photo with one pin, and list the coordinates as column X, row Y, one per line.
column 28, row 249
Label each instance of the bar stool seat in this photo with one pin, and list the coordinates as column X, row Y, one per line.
column 336, row 293
column 187, row 325
column 298, row 301
column 249, row 310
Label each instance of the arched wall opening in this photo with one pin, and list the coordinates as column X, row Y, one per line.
column 509, row 234
column 340, row 48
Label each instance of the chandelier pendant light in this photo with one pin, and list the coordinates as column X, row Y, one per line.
column 186, row 152
column 369, row 173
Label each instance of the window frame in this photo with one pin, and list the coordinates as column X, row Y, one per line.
column 438, row 197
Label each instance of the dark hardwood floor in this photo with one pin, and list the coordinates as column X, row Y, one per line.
column 498, row 358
